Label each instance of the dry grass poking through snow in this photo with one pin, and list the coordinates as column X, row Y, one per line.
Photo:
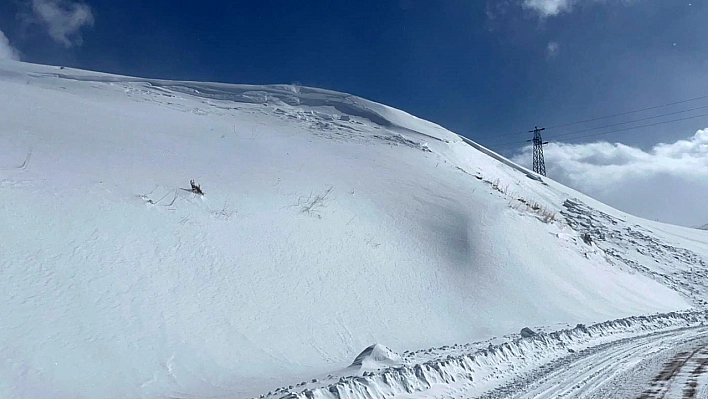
column 547, row 215
column 495, row 185
column 313, row 204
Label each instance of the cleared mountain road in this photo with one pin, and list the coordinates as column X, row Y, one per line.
column 671, row 364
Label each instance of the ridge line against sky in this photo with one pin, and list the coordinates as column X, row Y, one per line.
column 481, row 69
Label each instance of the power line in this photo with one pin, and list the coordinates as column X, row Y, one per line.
column 632, row 121
column 630, row 112
column 638, row 127
column 617, row 130
column 611, row 115
column 618, row 124
column 512, row 134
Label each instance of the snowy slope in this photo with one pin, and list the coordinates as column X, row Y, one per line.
column 329, row 223
column 704, row 227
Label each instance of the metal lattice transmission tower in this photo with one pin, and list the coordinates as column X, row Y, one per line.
column 539, row 164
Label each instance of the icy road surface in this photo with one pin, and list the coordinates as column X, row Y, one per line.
column 657, row 365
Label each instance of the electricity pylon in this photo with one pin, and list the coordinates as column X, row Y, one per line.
column 539, row 164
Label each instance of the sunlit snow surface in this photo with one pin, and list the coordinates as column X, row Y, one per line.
column 329, row 223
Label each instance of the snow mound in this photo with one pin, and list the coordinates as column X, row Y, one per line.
column 377, row 357
column 328, row 222
column 461, row 371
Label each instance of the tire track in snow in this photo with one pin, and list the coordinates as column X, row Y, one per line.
column 622, row 368
column 680, row 376
column 513, row 368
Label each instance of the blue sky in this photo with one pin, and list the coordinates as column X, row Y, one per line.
column 485, row 69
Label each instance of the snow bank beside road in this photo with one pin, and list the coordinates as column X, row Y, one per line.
column 494, row 365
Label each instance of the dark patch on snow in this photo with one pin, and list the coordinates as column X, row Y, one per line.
column 527, row 332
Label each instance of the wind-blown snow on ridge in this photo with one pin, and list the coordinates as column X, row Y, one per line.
column 377, row 356
column 328, row 223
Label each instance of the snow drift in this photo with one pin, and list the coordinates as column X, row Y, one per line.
column 376, row 357
column 328, row 223
column 465, row 368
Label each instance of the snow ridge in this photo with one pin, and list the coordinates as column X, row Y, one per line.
column 278, row 95
column 456, row 371
column 641, row 250
column 328, row 223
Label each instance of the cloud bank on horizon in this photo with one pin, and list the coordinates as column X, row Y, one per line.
column 668, row 182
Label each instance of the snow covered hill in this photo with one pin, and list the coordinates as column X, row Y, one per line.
column 704, row 227
column 329, row 224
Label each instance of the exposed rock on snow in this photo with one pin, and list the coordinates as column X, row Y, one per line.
column 527, row 332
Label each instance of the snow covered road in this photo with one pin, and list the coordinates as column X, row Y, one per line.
column 658, row 365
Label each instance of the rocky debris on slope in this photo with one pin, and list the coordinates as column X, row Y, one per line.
column 632, row 245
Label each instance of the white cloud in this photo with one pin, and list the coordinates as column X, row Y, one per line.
column 496, row 9
column 7, row 52
column 549, row 8
column 552, row 49
column 669, row 182
column 63, row 19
